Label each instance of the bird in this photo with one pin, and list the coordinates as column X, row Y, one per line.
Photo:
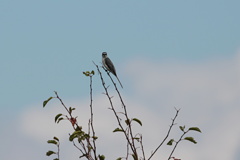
column 107, row 63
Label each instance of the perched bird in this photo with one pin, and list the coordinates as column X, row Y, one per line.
column 107, row 63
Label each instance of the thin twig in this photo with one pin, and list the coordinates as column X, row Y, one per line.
column 141, row 142
column 78, row 147
column 125, row 113
column 58, row 153
column 176, row 145
column 84, row 148
column 91, row 121
column 169, row 130
column 63, row 104
column 114, row 111
column 75, row 128
column 127, row 131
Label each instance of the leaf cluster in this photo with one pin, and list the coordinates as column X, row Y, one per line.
column 55, row 141
column 191, row 139
column 88, row 73
column 86, row 139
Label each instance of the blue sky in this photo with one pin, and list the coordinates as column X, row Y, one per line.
column 45, row 46
column 52, row 41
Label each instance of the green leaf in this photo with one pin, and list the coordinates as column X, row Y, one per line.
column 86, row 136
column 95, row 137
column 60, row 119
column 118, row 130
column 127, row 122
column 170, row 142
column 136, row 138
column 45, row 102
column 78, row 128
column 71, row 109
column 76, row 134
column 182, row 128
column 49, row 153
column 86, row 73
column 101, row 157
column 56, row 159
column 195, row 129
column 119, row 158
column 71, row 138
column 81, row 139
column 56, row 139
column 57, row 116
column 82, row 136
column 191, row 139
column 137, row 120
column 52, row 141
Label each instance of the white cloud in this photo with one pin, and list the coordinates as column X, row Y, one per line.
column 38, row 123
column 207, row 92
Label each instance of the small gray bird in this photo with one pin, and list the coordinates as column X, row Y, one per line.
column 107, row 63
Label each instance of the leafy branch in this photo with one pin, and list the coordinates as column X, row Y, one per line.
column 169, row 130
column 85, row 142
column 129, row 137
column 191, row 139
column 56, row 142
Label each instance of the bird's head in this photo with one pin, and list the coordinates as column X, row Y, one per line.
column 104, row 54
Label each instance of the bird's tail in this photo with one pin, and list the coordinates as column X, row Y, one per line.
column 119, row 82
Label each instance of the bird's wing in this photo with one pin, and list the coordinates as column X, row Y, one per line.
column 110, row 66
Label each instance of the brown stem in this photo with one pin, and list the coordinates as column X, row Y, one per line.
column 176, row 145
column 114, row 111
column 91, row 121
column 170, row 128
column 126, row 115
column 77, row 126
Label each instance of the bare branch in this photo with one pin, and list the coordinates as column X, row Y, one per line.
column 75, row 127
column 78, row 147
column 169, row 130
column 91, row 121
column 125, row 113
column 141, row 142
column 115, row 113
column 170, row 156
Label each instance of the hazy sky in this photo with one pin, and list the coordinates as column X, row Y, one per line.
column 168, row 54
